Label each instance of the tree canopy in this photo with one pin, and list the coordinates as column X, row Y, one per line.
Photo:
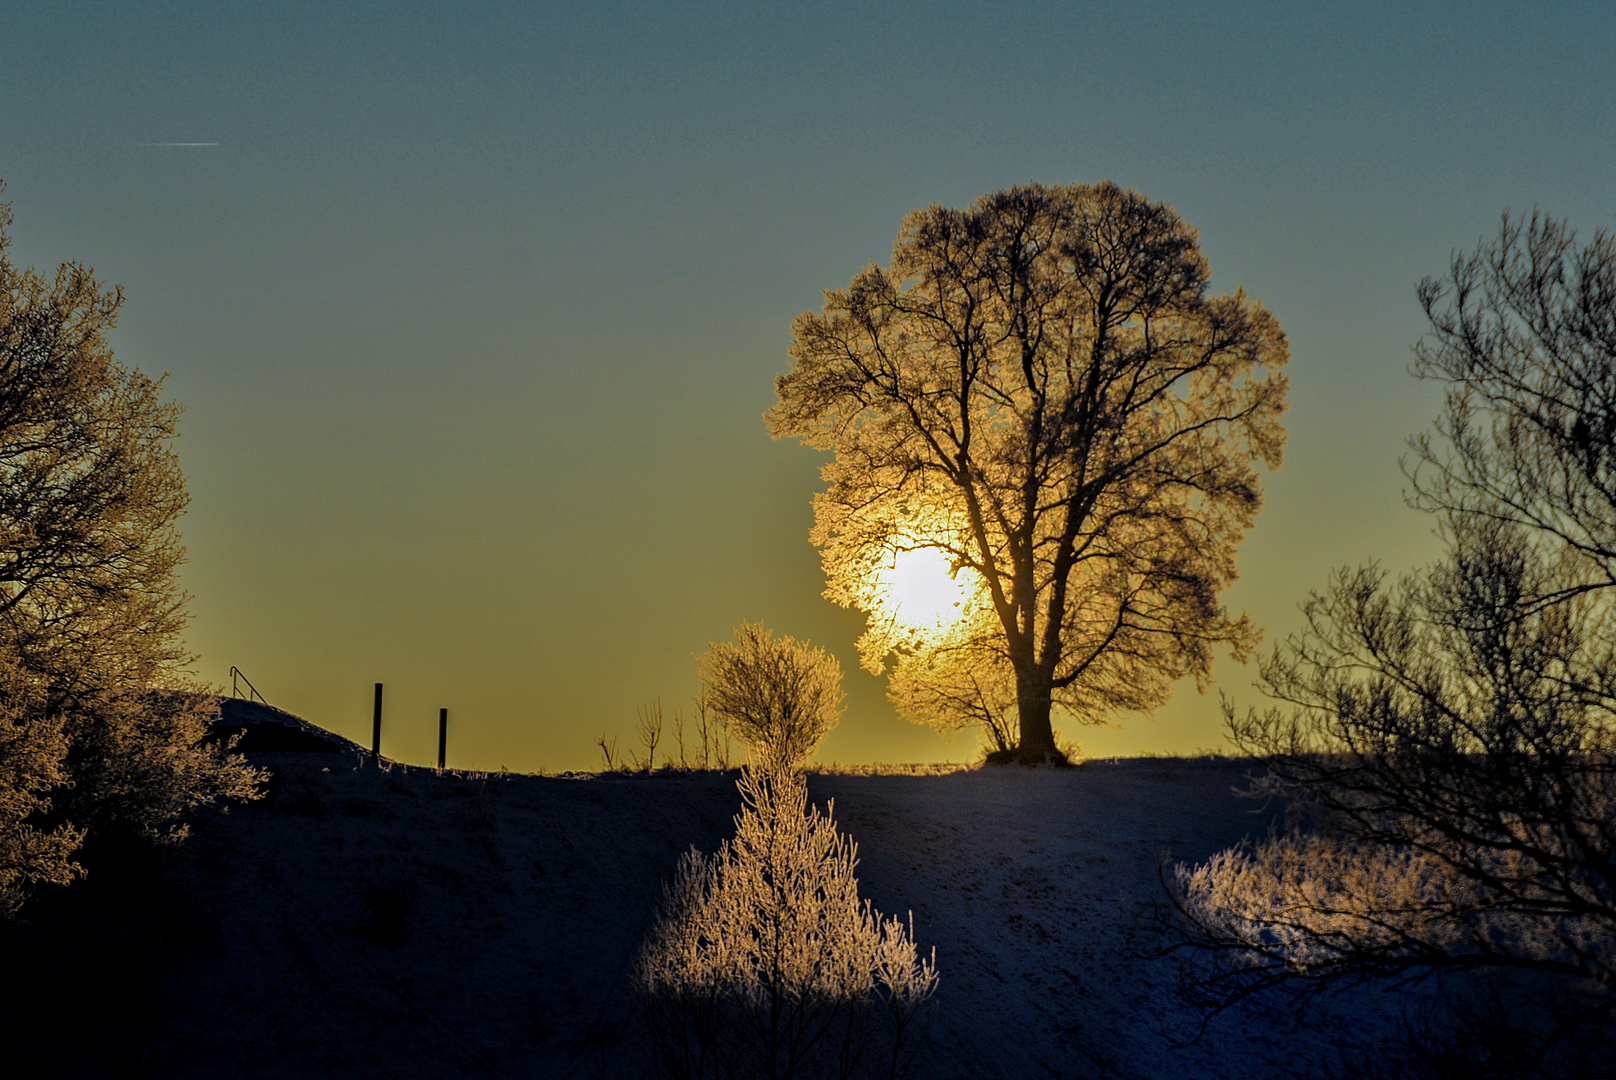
column 1040, row 393
column 778, row 695
column 1451, row 737
column 1523, row 331
column 91, row 610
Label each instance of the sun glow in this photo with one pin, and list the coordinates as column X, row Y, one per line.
column 923, row 590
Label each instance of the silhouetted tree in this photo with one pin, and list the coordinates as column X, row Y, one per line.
column 1040, row 388
column 1451, row 741
column 90, row 606
column 1523, row 330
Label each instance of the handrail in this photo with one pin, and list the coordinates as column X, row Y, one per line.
column 252, row 691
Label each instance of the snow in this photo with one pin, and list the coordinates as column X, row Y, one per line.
column 519, row 900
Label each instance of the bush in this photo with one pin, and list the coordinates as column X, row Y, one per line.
column 776, row 695
column 1451, row 765
column 764, row 961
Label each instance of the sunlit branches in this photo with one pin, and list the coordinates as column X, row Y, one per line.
column 1040, row 392
column 909, row 571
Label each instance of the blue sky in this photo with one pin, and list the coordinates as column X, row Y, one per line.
column 475, row 308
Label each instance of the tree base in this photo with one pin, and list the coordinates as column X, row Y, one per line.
column 1029, row 757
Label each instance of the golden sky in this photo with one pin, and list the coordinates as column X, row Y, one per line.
column 475, row 314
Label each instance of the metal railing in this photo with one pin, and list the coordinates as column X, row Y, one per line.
column 237, row 680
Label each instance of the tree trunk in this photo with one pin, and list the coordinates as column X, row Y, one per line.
column 1037, row 733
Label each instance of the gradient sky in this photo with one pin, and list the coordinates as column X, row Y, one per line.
column 475, row 308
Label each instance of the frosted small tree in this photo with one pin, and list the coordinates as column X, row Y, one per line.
column 764, row 961
column 777, row 695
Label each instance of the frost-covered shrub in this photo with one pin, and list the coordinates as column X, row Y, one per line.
column 1308, row 897
column 142, row 760
column 32, row 752
column 764, row 961
column 776, row 694
column 134, row 760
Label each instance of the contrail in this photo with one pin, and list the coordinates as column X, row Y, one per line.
column 180, row 144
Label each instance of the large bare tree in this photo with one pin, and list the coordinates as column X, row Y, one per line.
column 1040, row 391
column 1452, row 736
column 1523, row 331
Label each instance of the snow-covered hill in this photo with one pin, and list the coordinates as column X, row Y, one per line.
column 401, row 923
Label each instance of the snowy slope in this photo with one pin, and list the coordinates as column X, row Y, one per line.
column 405, row 924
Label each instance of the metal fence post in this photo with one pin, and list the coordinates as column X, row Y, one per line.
column 376, row 727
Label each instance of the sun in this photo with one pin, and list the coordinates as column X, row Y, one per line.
column 922, row 589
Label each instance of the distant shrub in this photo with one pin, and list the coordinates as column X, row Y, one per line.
column 651, row 731
column 776, row 695
column 764, row 961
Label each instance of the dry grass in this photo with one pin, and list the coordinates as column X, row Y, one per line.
column 881, row 768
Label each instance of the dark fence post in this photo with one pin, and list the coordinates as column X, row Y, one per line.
column 376, row 727
column 443, row 734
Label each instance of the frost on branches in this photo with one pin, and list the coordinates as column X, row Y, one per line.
column 1040, row 395
column 764, row 961
column 92, row 616
column 778, row 695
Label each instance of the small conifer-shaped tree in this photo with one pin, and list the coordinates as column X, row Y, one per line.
column 764, row 961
